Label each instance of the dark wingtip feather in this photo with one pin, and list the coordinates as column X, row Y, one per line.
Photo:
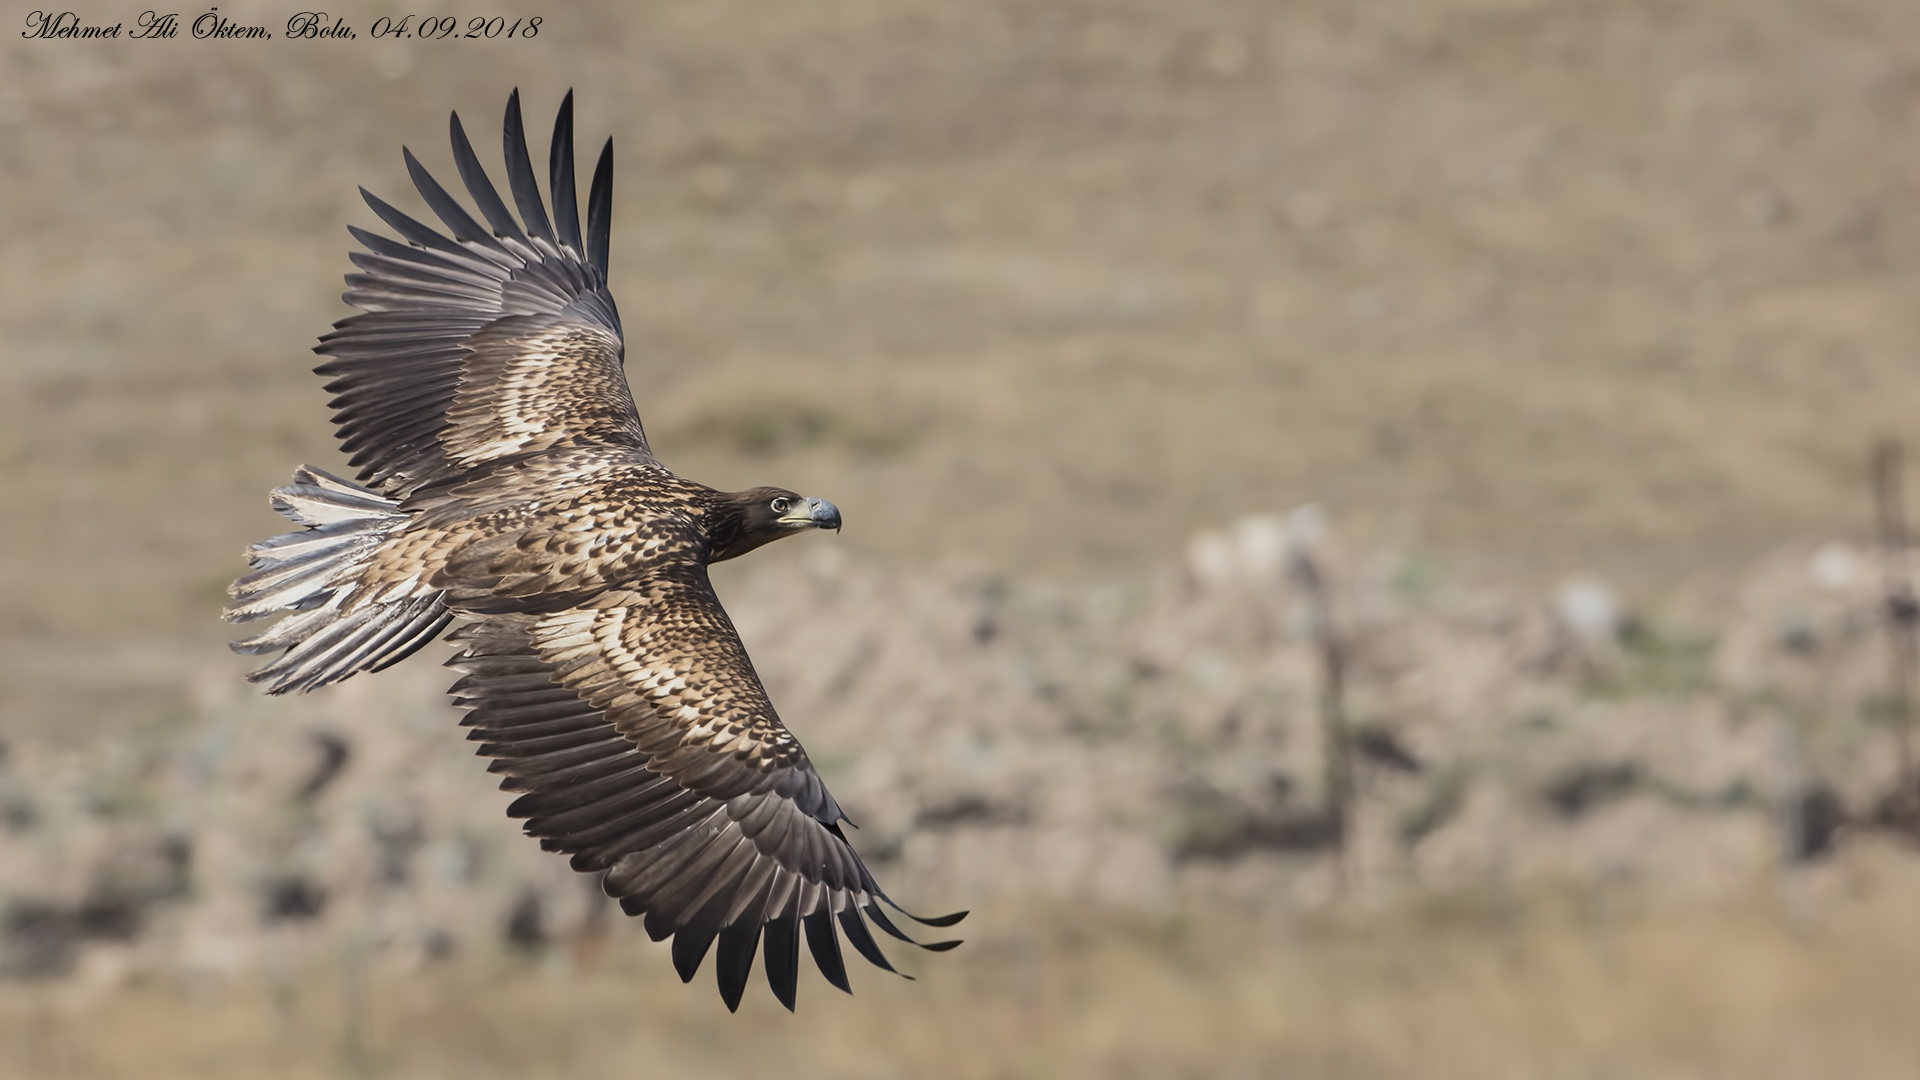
column 526, row 190
column 566, row 203
column 825, row 946
column 450, row 212
column 731, row 967
column 880, row 919
column 783, row 958
column 413, row 231
column 658, row 926
column 938, row 922
column 600, row 211
column 479, row 185
column 689, row 949
column 862, row 939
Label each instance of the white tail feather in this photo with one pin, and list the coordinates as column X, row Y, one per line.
column 339, row 628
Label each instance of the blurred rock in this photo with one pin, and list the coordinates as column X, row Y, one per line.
column 1212, row 560
column 1590, row 785
column 1261, row 542
column 291, row 898
column 1306, row 530
column 1818, row 818
column 525, row 927
column 1587, row 608
column 331, row 755
column 1379, row 745
column 37, row 940
column 1833, row 567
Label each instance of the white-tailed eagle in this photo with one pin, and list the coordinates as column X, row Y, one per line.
column 505, row 479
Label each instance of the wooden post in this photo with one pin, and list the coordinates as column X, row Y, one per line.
column 1789, row 783
column 1902, row 612
column 1339, row 761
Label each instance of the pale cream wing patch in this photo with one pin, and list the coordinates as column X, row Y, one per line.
column 534, row 382
column 665, row 663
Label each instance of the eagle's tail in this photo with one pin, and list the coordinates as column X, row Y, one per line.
column 336, row 627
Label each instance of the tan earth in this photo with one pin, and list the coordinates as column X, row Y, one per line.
column 1036, row 293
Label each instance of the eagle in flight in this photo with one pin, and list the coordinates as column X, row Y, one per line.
column 504, row 478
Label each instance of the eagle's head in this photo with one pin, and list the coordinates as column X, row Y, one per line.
column 757, row 516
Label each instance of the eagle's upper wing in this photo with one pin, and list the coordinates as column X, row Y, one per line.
column 648, row 749
column 498, row 341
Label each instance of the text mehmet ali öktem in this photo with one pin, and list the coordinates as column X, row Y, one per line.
column 150, row 25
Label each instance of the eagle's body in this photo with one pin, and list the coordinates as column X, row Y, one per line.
column 508, row 480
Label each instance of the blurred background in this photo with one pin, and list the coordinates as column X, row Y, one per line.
column 1520, row 360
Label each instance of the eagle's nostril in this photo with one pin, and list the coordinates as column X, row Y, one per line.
column 824, row 514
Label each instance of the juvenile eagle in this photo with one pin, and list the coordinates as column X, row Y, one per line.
column 481, row 394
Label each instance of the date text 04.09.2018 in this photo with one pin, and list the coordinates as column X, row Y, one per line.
column 450, row 26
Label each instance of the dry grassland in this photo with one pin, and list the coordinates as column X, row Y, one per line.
column 1535, row 988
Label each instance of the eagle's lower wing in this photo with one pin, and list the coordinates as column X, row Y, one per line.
column 500, row 340
column 648, row 749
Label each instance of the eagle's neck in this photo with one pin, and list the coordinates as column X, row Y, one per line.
column 724, row 520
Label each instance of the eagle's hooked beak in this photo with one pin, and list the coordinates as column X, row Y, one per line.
column 815, row 513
